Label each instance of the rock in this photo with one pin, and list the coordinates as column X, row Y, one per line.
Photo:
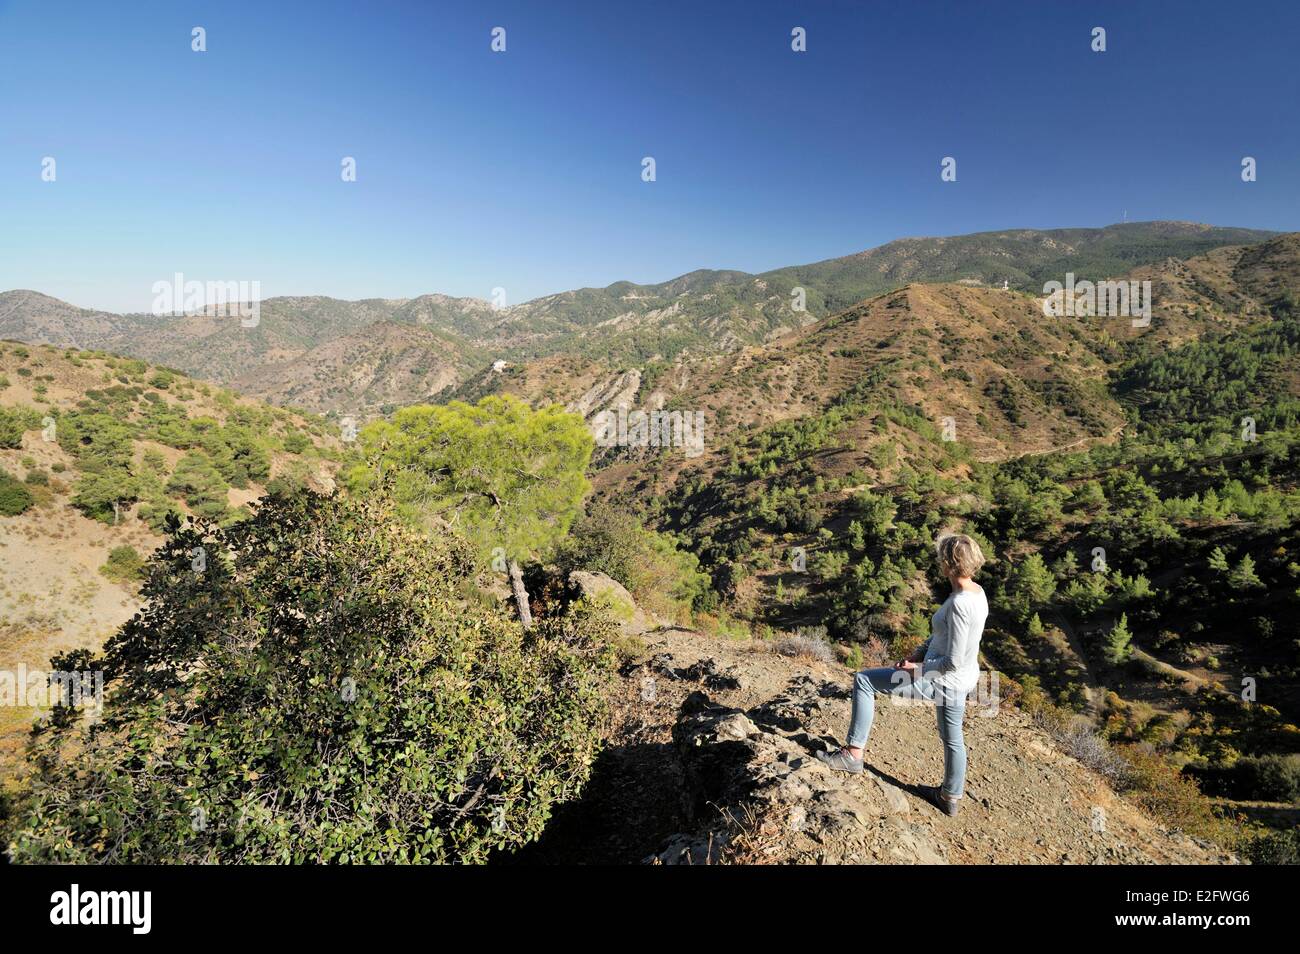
column 601, row 589
column 711, row 674
column 843, row 807
column 829, row 690
column 716, row 769
column 787, row 749
column 794, row 789
column 687, row 850
column 735, row 727
column 786, row 712
column 608, row 394
column 895, row 800
column 797, row 819
column 908, row 846
column 698, row 703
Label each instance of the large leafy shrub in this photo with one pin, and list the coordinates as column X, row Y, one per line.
column 124, row 564
column 100, row 442
column 95, row 494
column 1274, row 776
column 320, row 690
column 199, row 482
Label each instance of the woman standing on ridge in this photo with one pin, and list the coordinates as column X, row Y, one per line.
column 941, row 672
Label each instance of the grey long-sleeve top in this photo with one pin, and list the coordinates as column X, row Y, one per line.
column 953, row 653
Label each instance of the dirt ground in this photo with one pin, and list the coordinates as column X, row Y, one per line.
column 711, row 757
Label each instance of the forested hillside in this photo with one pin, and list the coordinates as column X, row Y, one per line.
column 1147, row 579
column 97, row 454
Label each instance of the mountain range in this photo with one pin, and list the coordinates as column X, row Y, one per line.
column 362, row 357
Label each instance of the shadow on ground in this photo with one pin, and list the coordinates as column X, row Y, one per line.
column 632, row 804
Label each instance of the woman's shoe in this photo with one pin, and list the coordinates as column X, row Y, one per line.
column 841, row 761
column 934, row 794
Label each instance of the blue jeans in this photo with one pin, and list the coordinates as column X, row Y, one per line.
column 949, row 708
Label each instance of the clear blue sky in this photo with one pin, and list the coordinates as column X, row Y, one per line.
column 522, row 169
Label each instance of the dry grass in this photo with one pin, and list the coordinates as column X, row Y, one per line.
column 805, row 647
column 1077, row 737
column 1143, row 776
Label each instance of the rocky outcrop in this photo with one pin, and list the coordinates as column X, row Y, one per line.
column 602, row 589
column 744, row 725
column 608, row 395
column 711, row 758
column 760, row 764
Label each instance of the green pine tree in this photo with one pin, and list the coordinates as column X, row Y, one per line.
column 511, row 479
column 1067, row 567
column 1117, row 646
column 1243, row 575
column 1031, row 585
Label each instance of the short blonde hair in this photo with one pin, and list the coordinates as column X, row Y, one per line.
column 958, row 554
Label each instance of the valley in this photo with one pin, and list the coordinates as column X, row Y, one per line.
column 916, row 394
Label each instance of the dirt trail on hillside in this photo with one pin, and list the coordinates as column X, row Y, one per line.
column 1081, row 442
column 1077, row 659
column 711, row 757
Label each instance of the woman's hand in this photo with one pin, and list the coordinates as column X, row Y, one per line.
column 907, row 665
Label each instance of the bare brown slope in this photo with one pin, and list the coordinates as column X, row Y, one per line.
column 34, row 318
column 384, row 363
column 1013, row 381
column 1221, row 288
